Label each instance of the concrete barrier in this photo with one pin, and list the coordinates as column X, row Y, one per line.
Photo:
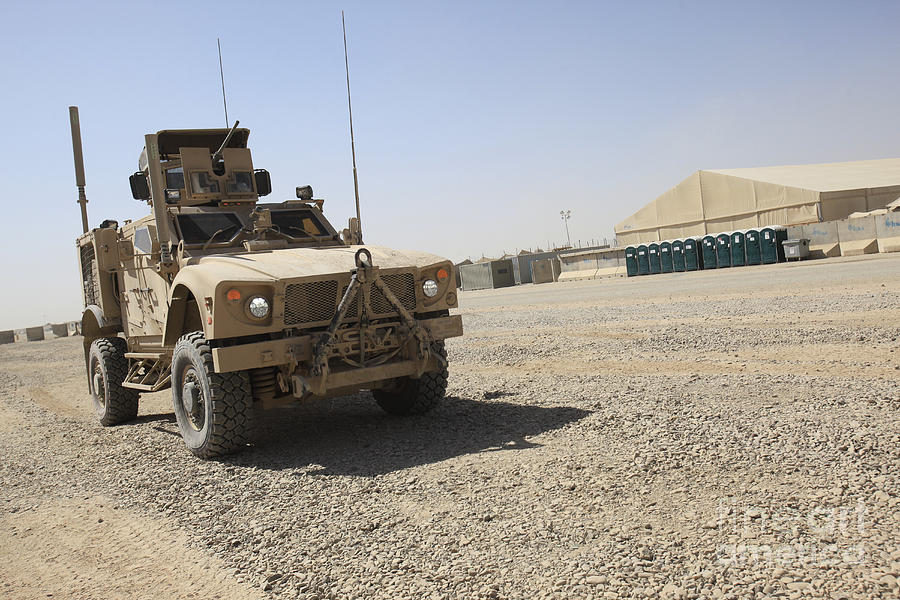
column 545, row 270
column 795, row 232
column 887, row 229
column 60, row 330
column 610, row 272
column 579, row 275
column 7, row 337
column 857, row 236
column 823, row 239
column 34, row 334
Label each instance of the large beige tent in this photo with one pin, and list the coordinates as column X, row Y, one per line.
column 730, row 199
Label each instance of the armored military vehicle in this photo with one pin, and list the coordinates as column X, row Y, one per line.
column 236, row 304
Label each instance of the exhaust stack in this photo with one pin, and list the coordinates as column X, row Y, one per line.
column 79, row 165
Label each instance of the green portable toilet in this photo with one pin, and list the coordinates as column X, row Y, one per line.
column 723, row 250
column 738, row 245
column 653, row 253
column 643, row 260
column 678, row 256
column 665, row 257
column 692, row 255
column 708, row 252
column 751, row 243
column 770, row 249
column 631, row 264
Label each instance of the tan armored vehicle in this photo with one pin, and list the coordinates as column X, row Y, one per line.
column 233, row 303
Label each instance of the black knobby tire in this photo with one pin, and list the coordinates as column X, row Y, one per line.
column 107, row 369
column 410, row 396
column 217, row 418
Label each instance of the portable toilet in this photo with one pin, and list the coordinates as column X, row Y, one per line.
column 738, row 246
column 631, row 262
column 692, row 255
column 665, row 257
column 643, row 260
column 678, row 256
column 751, row 243
column 723, row 250
column 770, row 249
column 653, row 254
column 708, row 252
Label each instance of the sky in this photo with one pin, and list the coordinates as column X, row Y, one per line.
column 476, row 122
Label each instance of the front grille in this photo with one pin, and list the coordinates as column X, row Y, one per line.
column 309, row 302
column 403, row 285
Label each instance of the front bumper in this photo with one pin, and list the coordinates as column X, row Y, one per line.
column 299, row 350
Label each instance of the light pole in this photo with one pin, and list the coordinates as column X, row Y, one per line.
column 566, row 215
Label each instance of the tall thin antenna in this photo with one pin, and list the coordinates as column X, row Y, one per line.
column 352, row 140
column 222, row 76
column 79, row 165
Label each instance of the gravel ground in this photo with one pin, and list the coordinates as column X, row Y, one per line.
column 703, row 435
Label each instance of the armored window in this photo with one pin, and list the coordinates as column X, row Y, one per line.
column 298, row 223
column 175, row 179
column 242, row 184
column 203, row 227
column 143, row 244
column 203, row 183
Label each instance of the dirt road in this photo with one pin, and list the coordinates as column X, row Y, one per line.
column 702, row 435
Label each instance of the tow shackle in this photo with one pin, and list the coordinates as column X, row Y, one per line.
column 363, row 262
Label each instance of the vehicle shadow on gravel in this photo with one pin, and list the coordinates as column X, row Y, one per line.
column 352, row 436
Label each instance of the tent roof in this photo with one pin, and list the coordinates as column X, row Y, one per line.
column 825, row 177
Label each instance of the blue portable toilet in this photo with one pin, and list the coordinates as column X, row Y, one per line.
column 665, row 257
column 723, row 250
column 653, row 253
column 708, row 252
column 678, row 256
column 738, row 245
column 643, row 258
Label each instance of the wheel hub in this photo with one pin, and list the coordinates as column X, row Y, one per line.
column 192, row 400
column 99, row 390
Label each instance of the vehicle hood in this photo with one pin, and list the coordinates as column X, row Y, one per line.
column 291, row 263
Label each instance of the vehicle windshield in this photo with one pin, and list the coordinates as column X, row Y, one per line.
column 299, row 223
column 199, row 228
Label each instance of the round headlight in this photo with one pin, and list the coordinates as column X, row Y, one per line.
column 430, row 287
column 258, row 307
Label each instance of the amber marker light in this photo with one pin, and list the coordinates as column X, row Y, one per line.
column 233, row 295
column 442, row 274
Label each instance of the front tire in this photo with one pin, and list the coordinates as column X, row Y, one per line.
column 107, row 368
column 410, row 396
column 214, row 410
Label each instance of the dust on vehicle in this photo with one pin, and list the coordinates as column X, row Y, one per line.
column 234, row 303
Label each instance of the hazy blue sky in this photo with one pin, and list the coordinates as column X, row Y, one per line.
column 476, row 122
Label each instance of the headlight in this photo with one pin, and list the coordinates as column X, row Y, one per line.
column 430, row 287
column 258, row 307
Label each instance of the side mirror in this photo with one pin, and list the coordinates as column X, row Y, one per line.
column 263, row 182
column 304, row 192
column 140, row 187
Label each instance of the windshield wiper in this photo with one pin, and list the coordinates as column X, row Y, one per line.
column 223, row 230
column 301, row 230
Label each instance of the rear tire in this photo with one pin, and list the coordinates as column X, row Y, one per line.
column 214, row 410
column 410, row 396
column 107, row 368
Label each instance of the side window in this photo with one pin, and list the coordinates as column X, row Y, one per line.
column 142, row 242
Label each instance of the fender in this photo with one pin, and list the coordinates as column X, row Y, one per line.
column 181, row 295
column 94, row 325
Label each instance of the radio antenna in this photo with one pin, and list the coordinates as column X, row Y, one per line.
column 222, row 76
column 352, row 140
